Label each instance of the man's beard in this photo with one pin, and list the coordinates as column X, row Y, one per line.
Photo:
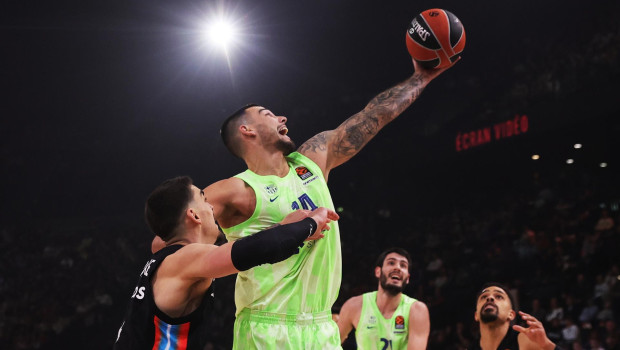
column 488, row 317
column 287, row 147
column 393, row 290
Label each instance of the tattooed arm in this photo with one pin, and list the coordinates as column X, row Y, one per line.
column 333, row 147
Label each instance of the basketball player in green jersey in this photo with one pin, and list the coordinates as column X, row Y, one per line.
column 288, row 305
column 387, row 318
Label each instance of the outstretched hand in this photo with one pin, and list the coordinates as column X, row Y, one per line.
column 535, row 331
column 431, row 73
column 321, row 215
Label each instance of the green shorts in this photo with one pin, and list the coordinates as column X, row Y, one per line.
column 262, row 330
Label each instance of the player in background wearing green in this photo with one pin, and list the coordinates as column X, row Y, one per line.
column 288, row 305
column 387, row 318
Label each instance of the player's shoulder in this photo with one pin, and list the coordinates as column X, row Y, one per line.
column 418, row 306
column 226, row 188
column 352, row 309
column 186, row 254
column 187, row 265
column 418, row 313
column 226, row 184
column 354, row 302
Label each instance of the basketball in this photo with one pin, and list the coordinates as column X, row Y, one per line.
column 435, row 38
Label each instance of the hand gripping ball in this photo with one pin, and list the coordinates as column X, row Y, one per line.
column 435, row 38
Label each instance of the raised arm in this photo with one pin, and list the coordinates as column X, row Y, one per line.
column 419, row 326
column 333, row 147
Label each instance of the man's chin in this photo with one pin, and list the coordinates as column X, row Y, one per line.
column 286, row 146
column 393, row 289
column 488, row 317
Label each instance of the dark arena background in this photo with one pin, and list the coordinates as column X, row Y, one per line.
column 101, row 101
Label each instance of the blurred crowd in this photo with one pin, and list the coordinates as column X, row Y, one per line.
column 555, row 246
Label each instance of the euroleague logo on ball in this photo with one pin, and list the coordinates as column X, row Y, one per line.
column 417, row 28
column 435, row 38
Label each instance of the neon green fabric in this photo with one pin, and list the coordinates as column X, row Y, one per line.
column 260, row 330
column 374, row 331
column 307, row 282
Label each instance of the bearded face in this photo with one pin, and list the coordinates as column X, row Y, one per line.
column 391, row 286
column 394, row 274
column 494, row 305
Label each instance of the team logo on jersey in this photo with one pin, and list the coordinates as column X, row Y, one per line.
column 399, row 322
column 271, row 189
column 303, row 172
column 372, row 320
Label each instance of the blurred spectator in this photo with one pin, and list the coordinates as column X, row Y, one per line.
column 588, row 313
column 554, row 330
column 555, row 310
column 601, row 288
column 570, row 332
column 606, row 314
column 570, row 308
column 537, row 311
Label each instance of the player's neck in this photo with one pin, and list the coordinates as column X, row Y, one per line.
column 387, row 303
column 262, row 162
column 191, row 236
column 492, row 334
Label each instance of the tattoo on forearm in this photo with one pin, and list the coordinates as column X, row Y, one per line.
column 356, row 135
column 356, row 131
column 315, row 144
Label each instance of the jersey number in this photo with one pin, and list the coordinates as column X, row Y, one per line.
column 387, row 344
column 306, row 203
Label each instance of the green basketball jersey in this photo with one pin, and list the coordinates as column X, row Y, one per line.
column 374, row 331
column 309, row 281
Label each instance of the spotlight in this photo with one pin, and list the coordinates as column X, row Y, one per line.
column 603, row 165
column 577, row 146
column 535, row 157
column 221, row 33
column 570, row 161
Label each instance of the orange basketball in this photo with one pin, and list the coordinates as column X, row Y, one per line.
column 435, row 38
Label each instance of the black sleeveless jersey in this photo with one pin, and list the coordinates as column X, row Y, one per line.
column 146, row 327
column 510, row 341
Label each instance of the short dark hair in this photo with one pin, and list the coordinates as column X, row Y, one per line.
column 397, row 250
column 228, row 128
column 165, row 206
column 500, row 285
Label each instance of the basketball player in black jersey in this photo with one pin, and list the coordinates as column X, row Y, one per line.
column 173, row 296
column 495, row 315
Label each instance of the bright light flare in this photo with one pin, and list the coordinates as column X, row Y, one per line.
column 535, row 156
column 578, row 146
column 570, row 161
column 222, row 33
